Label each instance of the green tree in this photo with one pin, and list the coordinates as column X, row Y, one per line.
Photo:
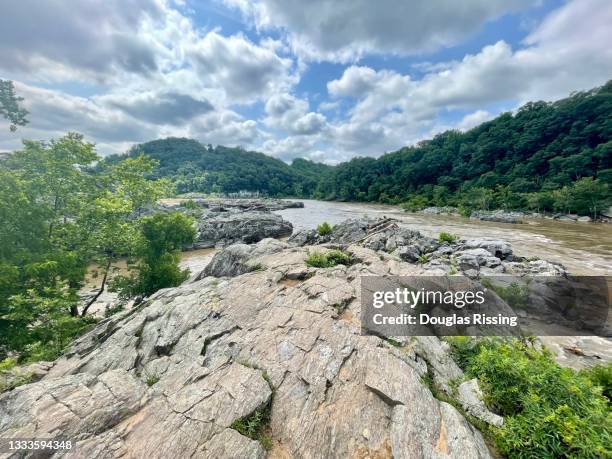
column 590, row 196
column 10, row 107
column 163, row 235
column 58, row 216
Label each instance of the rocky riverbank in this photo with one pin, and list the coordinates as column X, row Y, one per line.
column 501, row 216
column 260, row 331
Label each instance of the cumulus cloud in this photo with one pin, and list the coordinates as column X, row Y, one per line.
column 160, row 108
column 244, row 70
column 56, row 39
column 348, row 29
column 473, row 119
column 568, row 51
column 290, row 114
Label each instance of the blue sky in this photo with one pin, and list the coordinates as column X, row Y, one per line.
column 325, row 79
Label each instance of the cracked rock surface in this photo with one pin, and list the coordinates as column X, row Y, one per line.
column 168, row 378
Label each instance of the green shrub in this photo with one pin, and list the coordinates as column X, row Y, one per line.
column 447, row 237
column 601, row 375
column 151, row 379
column 423, row 259
column 415, row 203
column 549, row 411
column 324, row 229
column 256, row 426
column 465, row 211
column 516, row 295
column 328, row 260
column 190, row 204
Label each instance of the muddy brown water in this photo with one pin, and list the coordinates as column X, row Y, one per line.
column 583, row 248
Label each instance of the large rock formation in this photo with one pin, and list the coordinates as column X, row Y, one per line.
column 169, row 378
column 246, row 227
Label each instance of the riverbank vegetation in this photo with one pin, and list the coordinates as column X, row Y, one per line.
column 59, row 216
column 549, row 411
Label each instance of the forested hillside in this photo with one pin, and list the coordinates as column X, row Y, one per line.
column 204, row 168
column 546, row 157
column 537, row 158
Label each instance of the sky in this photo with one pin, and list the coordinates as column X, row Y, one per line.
column 326, row 80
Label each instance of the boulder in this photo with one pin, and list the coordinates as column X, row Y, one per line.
column 471, row 398
column 497, row 248
column 409, row 253
column 475, row 258
column 246, row 227
column 499, row 216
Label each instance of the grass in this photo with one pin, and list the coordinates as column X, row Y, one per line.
column 328, row 259
column 324, row 229
column 393, row 342
column 423, row 259
column 447, row 237
column 151, row 379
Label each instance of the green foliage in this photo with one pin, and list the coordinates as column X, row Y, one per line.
column 515, row 161
column 9, row 106
column 328, row 259
column 601, row 375
column 194, row 167
column 422, row 259
column 162, row 236
column 11, row 376
column 549, row 411
column 256, row 426
column 516, row 295
column 58, row 216
column 324, row 229
column 447, row 237
column 415, row 203
column 151, row 379
column 190, row 204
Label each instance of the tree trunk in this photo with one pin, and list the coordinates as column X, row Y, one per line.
column 97, row 295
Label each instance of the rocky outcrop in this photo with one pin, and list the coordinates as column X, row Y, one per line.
column 499, row 216
column 170, row 377
column 473, row 257
column 246, row 204
column 447, row 210
column 243, row 227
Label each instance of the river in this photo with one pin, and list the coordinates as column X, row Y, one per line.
column 583, row 248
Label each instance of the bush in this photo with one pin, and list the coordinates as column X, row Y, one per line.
column 415, row 203
column 447, row 237
column 549, row 411
column 324, row 229
column 516, row 295
column 328, row 260
column 601, row 375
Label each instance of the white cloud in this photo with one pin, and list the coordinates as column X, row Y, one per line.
column 245, row 71
column 89, row 39
column 568, row 51
column 474, row 119
column 290, row 114
column 344, row 30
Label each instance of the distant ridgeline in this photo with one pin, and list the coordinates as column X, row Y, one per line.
column 542, row 157
column 203, row 168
